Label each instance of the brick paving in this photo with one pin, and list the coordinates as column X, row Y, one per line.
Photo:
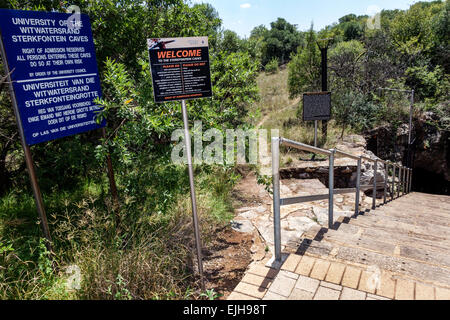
column 337, row 276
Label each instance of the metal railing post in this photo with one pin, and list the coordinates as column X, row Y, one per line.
column 393, row 181
column 386, row 175
column 374, row 192
column 399, row 184
column 358, row 186
column 403, row 181
column 410, row 180
column 331, row 189
column 407, row 180
column 276, row 196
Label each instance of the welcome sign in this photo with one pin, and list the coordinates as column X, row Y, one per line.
column 180, row 68
column 51, row 58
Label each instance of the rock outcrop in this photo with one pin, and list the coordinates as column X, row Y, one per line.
column 430, row 151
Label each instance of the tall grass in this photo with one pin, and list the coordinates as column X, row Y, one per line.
column 278, row 111
column 149, row 259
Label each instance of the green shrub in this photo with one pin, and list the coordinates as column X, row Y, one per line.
column 272, row 66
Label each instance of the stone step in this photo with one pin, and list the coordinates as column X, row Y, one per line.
column 411, row 268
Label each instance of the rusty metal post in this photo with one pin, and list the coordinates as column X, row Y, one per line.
column 198, row 240
column 28, row 157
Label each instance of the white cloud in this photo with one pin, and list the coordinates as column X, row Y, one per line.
column 245, row 5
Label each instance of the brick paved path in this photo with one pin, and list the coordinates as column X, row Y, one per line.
column 399, row 251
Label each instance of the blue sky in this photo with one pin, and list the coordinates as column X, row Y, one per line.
column 243, row 15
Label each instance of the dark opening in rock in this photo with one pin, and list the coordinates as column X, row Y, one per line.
column 429, row 182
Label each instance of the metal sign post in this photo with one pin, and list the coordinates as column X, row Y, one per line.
column 28, row 158
column 198, row 243
column 323, row 45
column 316, row 106
column 180, row 71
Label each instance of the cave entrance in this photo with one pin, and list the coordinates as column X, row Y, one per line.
column 430, row 182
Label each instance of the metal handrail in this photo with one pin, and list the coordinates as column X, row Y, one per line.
column 304, row 147
column 404, row 183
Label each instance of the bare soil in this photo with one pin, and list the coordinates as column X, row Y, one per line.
column 230, row 254
column 226, row 260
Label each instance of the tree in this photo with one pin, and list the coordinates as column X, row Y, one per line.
column 230, row 42
column 281, row 41
column 304, row 68
column 256, row 43
column 346, row 66
column 412, row 30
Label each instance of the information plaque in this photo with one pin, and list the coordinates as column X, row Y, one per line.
column 317, row 106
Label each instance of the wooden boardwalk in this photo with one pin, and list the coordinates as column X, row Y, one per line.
column 399, row 251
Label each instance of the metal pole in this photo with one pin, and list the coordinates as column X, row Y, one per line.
column 399, row 181
column 324, row 54
column 315, row 133
column 407, row 181
column 386, row 175
column 374, row 192
column 358, row 186
column 393, row 181
column 28, row 158
column 276, row 196
column 198, row 242
column 404, row 180
column 331, row 189
column 410, row 180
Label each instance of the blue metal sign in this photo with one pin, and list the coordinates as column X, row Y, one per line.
column 51, row 57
